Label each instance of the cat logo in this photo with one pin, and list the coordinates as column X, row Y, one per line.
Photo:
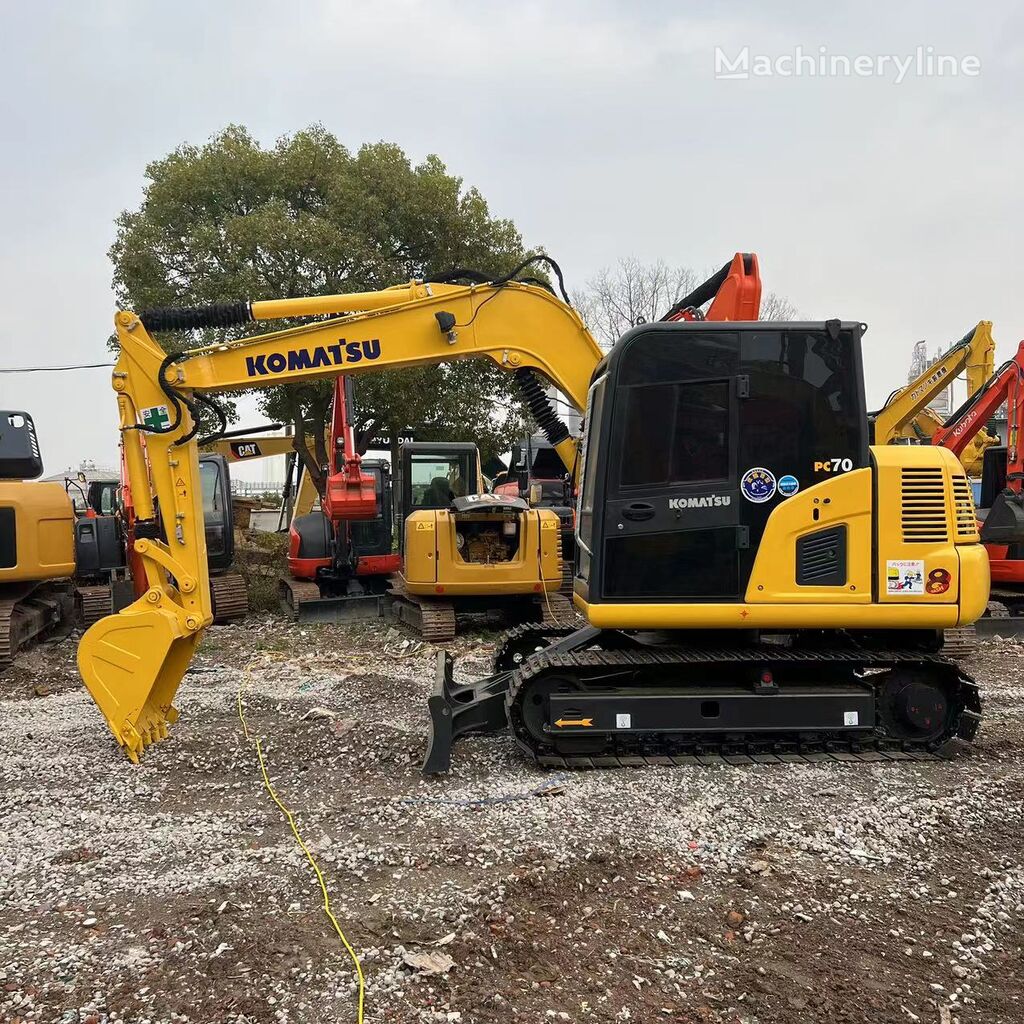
column 245, row 449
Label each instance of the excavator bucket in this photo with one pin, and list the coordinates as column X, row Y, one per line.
column 132, row 664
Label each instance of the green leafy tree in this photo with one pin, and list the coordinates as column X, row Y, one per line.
column 233, row 220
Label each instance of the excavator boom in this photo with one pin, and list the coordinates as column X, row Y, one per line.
column 133, row 662
column 903, row 411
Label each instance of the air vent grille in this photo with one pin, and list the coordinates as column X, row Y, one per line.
column 963, row 503
column 821, row 558
column 924, row 517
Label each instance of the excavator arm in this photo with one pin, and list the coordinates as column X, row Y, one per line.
column 957, row 432
column 974, row 353
column 133, row 662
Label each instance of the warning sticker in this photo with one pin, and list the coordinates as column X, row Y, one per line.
column 156, row 418
column 904, row 576
column 623, row 721
column 851, row 718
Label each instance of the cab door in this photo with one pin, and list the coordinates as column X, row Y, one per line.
column 672, row 523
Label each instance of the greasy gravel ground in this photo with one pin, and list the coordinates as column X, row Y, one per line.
column 174, row 892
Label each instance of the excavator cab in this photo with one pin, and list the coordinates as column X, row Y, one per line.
column 218, row 515
column 102, row 497
column 434, row 473
column 696, row 432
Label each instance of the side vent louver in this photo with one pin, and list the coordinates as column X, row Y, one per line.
column 821, row 558
column 966, row 517
column 924, row 505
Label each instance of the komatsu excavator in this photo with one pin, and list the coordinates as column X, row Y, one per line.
column 758, row 580
column 906, row 416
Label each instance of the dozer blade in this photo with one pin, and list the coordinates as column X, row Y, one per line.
column 132, row 664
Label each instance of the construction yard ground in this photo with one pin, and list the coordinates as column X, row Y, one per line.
column 175, row 891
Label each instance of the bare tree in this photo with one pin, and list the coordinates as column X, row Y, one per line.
column 777, row 307
column 630, row 293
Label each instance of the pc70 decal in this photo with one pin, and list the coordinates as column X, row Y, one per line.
column 833, row 465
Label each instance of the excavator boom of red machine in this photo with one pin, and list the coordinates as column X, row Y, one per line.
column 734, row 293
column 349, row 493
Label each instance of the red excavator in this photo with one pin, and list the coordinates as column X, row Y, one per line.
column 1001, row 501
column 341, row 556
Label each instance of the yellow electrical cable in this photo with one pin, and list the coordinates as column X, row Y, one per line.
column 254, row 740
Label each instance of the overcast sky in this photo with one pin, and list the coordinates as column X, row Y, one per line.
column 599, row 127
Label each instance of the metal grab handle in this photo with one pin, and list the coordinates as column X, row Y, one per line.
column 638, row 511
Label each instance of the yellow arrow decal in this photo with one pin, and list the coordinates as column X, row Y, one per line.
column 562, row 722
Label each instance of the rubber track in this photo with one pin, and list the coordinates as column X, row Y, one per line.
column 959, row 642
column 6, row 651
column 294, row 592
column 556, row 610
column 23, row 619
column 711, row 750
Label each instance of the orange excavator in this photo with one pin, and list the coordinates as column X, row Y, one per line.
column 341, row 556
column 1001, row 501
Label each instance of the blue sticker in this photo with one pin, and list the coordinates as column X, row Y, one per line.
column 758, row 485
column 788, row 485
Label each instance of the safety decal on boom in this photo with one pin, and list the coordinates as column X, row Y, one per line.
column 156, row 417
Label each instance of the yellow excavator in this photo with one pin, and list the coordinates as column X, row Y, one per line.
column 906, row 416
column 759, row 581
column 250, row 446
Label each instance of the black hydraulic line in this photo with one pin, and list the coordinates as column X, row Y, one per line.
column 539, row 405
column 702, row 293
column 188, row 318
column 222, row 418
column 246, row 431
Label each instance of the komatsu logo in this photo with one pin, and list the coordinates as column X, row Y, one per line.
column 704, row 501
column 294, row 360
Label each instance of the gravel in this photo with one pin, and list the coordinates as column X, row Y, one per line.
column 174, row 891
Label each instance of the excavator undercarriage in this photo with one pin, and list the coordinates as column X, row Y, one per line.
column 605, row 698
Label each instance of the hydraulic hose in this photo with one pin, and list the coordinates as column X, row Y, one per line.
column 540, row 405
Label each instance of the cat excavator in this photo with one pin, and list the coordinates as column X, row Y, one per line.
column 759, row 581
